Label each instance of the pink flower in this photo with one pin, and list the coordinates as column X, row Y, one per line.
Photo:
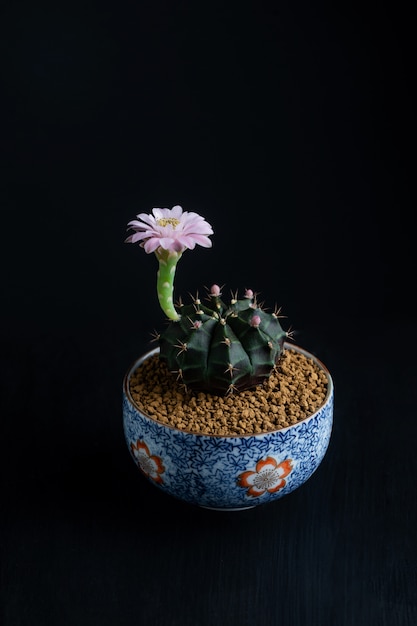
column 170, row 229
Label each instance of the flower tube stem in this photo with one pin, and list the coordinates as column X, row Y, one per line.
column 165, row 281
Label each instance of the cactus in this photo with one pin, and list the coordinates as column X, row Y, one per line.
column 216, row 347
column 222, row 348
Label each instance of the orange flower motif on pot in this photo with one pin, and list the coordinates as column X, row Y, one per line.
column 269, row 476
column 150, row 465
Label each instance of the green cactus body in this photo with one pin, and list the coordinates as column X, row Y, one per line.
column 221, row 349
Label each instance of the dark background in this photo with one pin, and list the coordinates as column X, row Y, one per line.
column 291, row 128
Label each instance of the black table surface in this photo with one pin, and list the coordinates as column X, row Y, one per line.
column 291, row 131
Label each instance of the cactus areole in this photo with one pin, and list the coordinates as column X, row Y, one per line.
column 221, row 348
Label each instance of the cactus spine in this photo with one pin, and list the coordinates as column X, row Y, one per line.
column 221, row 348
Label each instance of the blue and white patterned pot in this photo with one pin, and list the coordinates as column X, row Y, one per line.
column 228, row 473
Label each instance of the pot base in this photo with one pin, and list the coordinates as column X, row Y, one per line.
column 232, row 508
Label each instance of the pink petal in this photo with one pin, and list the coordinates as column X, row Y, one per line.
column 151, row 245
column 187, row 241
column 167, row 243
column 198, row 226
column 161, row 213
column 203, row 241
column 148, row 219
column 138, row 237
column 136, row 224
column 176, row 211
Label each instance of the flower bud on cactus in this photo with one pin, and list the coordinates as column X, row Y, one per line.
column 219, row 348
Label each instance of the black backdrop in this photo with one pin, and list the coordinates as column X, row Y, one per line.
column 291, row 129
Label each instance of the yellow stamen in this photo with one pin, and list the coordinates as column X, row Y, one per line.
column 164, row 221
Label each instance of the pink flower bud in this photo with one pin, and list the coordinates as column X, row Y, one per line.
column 248, row 293
column 215, row 290
column 255, row 321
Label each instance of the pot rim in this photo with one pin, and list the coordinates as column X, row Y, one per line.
column 330, row 391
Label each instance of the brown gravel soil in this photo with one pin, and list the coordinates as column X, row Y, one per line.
column 293, row 392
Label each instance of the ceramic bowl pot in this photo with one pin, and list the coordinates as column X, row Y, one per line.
column 227, row 472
